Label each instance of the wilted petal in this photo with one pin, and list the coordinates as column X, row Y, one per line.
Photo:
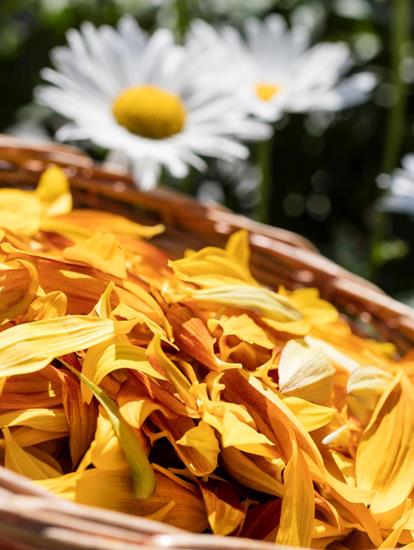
column 163, row 364
column 48, row 306
column 112, row 490
column 81, row 418
column 244, row 328
column 203, row 439
column 192, row 336
column 310, row 415
column 18, row 286
column 385, row 455
column 306, row 373
column 224, row 510
column 101, row 251
column 252, row 474
column 298, row 504
column 110, row 356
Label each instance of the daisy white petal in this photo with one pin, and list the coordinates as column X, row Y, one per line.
column 400, row 195
column 144, row 96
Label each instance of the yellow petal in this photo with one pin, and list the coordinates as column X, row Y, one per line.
column 311, row 416
column 258, row 300
column 346, row 466
column 224, row 509
column 80, row 415
column 162, row 363
column 298, row 504
column 101, row 251
column 53, row 191
column 308, row 302
column 193, row 338
column 127, row 312
column 48, row 306
column 248, row 473
column 135, row 405
column 212, row 266
column 31, row 346
column 238, row 247
column 244, row 328
column 63, row 486
column 393, row 538
column 25, row 463
column 106, row 222
column 53, row 420
column 141, row 471
column 202, row 438
column 242, row 436
column 112, row 490
column 19, row 283
column 385, row 455
column 296, row 328
column 110, row 356
column 106, row 451
column 195, row 459
column 20, row 211
column 365, row 386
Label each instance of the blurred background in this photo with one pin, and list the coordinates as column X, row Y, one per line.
column 328, row 171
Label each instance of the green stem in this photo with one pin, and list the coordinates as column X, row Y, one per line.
column 395, row 125
column 183, row 18
column 264, row 160
column 396, row 119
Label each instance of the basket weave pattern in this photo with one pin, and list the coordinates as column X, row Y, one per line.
column 30, row 517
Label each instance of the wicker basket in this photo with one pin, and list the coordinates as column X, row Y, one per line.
column 30, row 518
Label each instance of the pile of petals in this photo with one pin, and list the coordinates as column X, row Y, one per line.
column 186, row 392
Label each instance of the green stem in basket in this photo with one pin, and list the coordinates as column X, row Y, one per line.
column 142, row 474
column 396, row 120
column 264, row 160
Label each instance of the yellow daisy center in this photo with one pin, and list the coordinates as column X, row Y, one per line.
column 266, row 91
column 149, row 111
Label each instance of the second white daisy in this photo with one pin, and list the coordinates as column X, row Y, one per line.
column 275, row 70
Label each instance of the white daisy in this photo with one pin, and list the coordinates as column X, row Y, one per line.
column 400, row 194
column 128, row 92
column 275, row 70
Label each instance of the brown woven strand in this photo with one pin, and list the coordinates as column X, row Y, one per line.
column 31, row 518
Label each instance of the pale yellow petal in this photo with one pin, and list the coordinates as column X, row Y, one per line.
column 258, row 300
column 31, row 346
column 304, row 372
